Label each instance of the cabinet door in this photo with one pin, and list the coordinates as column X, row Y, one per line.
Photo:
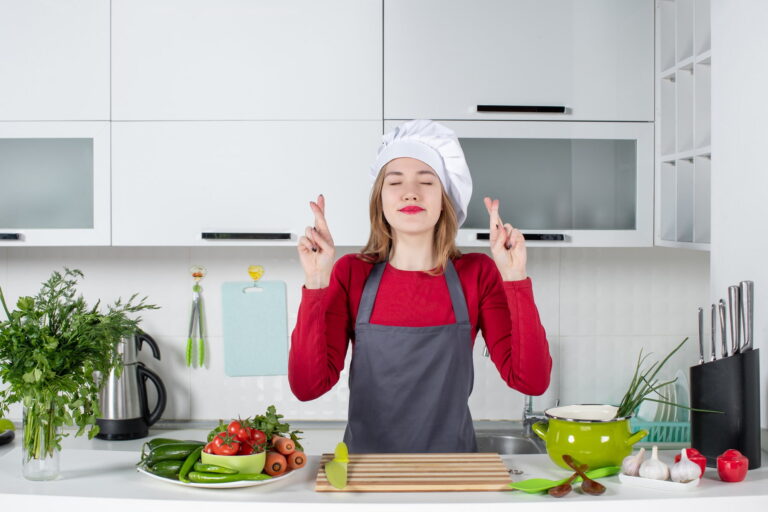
column 246, row 60
column 443, row 58
column 54, row 60
column 55, row 183
column 174, row 181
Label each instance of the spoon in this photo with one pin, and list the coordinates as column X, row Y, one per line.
column 588, row 485
column 564, row 488
column 537, row 485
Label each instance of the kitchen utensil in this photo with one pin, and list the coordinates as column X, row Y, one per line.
column 701, row 335
column 564, row 488
column 590, row 433
column 226, row 485
column 723, row 329
column 123, row 400
column 588, row 485
column 713, row 333
column 660, row 485
column 734, row 308
column 196, row 320
column 336, row 469
column 253, row 463
column 255, row 328
column 419, row 472
column 747, row 297
column 537, row 485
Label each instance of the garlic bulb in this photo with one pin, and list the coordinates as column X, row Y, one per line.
column 686, row 470
column 653, row 468
column 631, row 464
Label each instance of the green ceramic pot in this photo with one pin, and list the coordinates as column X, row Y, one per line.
column 589, row 433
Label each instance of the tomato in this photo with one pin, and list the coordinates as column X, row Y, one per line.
column 209, row 448
column 244, row 435
column 245, row 449
column 233, row 428
column 219, row 439
column 228, row 446
column 258, row 437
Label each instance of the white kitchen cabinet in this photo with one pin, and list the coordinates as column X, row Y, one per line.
column 443, row 59
column 54, row 183
column 54, row 60
column 563, row 184
column 246, row 60
column 683, row 135
column 248, row 183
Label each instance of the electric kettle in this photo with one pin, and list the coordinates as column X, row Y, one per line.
column 125, row 412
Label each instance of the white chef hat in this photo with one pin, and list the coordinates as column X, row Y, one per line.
column 436, row 146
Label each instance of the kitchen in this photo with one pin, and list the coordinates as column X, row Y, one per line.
column 174, row 158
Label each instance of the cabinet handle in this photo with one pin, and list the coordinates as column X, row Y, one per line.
column 246, row 236
column 10, row 236
column 539, row 237
column 536, row 109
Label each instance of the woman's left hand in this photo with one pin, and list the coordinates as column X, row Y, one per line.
column 507, row 245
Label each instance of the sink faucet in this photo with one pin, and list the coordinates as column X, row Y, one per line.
column 529, row 417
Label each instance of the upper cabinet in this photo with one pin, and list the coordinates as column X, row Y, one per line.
column 246, row 60
column 54, row 60
column 590, row 60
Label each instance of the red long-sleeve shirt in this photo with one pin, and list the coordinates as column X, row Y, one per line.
column 503, row 310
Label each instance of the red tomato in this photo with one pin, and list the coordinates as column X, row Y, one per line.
column 228, row 448
column 244, row 435
column 245, row 449
column 219, row 439
column 233, row 428
column 209, row 448
column 258, row 437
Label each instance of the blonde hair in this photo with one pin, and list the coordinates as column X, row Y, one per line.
column 379, row 246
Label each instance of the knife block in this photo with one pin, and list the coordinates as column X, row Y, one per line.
column 730, row 385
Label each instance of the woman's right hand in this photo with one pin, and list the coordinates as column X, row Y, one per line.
column 316, row 249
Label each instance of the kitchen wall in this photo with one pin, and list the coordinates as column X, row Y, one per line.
column 739, row 186
column 599, row 307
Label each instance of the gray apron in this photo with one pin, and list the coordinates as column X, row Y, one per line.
column 409, row 386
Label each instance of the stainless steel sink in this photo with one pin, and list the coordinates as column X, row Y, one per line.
column 507, row 444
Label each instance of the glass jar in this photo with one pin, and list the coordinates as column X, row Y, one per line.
column 40, row 442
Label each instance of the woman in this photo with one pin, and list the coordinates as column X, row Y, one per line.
column 412, row 304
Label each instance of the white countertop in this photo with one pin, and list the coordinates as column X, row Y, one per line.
column 101, row 475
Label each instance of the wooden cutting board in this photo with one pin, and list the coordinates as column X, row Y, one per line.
column 419, row 472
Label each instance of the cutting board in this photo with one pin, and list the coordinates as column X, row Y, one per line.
column 419, row 472
column 255, row 329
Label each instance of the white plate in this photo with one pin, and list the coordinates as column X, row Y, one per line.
column 647, row 410
column 682, row 396
column 662, row 485
column 227, row 485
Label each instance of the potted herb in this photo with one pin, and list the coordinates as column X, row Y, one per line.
column 50, row 347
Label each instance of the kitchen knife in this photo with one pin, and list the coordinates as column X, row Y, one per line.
column 713, row 344
column 723, row 329
column 747, row 289
column 701, row 335
column 734, row 308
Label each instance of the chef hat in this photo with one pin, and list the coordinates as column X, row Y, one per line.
column 436, row 146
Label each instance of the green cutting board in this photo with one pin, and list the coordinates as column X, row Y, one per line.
column 255, row 329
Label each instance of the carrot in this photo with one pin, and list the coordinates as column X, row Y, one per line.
column 283, row 445
column 275, row 464
column 296, row 460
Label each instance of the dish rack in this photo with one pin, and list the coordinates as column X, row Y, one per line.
column 663, row 431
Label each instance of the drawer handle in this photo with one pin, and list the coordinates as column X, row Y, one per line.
column 539, row 237
column 246, row 236
column 10, row 236
column 536, row 109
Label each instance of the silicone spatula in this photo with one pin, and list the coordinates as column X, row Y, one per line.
column 536, row 485
column 336, row 470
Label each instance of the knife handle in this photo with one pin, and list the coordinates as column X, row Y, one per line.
column 747, row 291
column 701, row 335
column 713, row 344
column 723, row 329
column 734, row 309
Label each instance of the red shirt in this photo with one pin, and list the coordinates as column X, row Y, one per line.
column 503, row 310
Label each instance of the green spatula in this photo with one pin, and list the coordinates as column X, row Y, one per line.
column 336, row 470
column 536, row 485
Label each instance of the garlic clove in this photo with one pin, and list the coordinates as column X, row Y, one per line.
column 654, row 468
column 631, row 464
column 685, row 470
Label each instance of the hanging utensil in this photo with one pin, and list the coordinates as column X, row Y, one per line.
column 747, row 290
column 734, row 309
column 723, row 329
column 196, row 321
column 713, row 321
column 701, row 335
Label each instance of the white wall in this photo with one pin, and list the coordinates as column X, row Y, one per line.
column 739, row 171
column 599, row 307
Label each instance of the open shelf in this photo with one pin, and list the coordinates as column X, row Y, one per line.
column 684, row 29
column 702, row 78
column 702, row 34
column 702, row 199
column 684, row 86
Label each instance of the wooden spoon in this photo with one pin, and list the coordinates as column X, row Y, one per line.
column 588, row 485
column 564, row 488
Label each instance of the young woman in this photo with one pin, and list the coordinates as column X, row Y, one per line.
column 412, row 304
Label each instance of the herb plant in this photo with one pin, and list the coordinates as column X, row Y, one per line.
column 50, row 348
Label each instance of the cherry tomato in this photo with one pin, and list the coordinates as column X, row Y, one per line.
column 228, row 447
column 258, row 437
column 219, row 439
column 209, row 448
column 244, row 435
column 245, row 449
column 233, row 428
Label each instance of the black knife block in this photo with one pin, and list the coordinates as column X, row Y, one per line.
column 730, row 385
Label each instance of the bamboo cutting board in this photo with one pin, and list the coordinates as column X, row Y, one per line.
column 419, row 472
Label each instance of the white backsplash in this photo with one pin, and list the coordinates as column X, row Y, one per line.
column 598, row 306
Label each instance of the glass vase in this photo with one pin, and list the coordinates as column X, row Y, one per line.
column 40, row 447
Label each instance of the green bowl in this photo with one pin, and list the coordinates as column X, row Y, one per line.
column 589, row 433
column 253, row 463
